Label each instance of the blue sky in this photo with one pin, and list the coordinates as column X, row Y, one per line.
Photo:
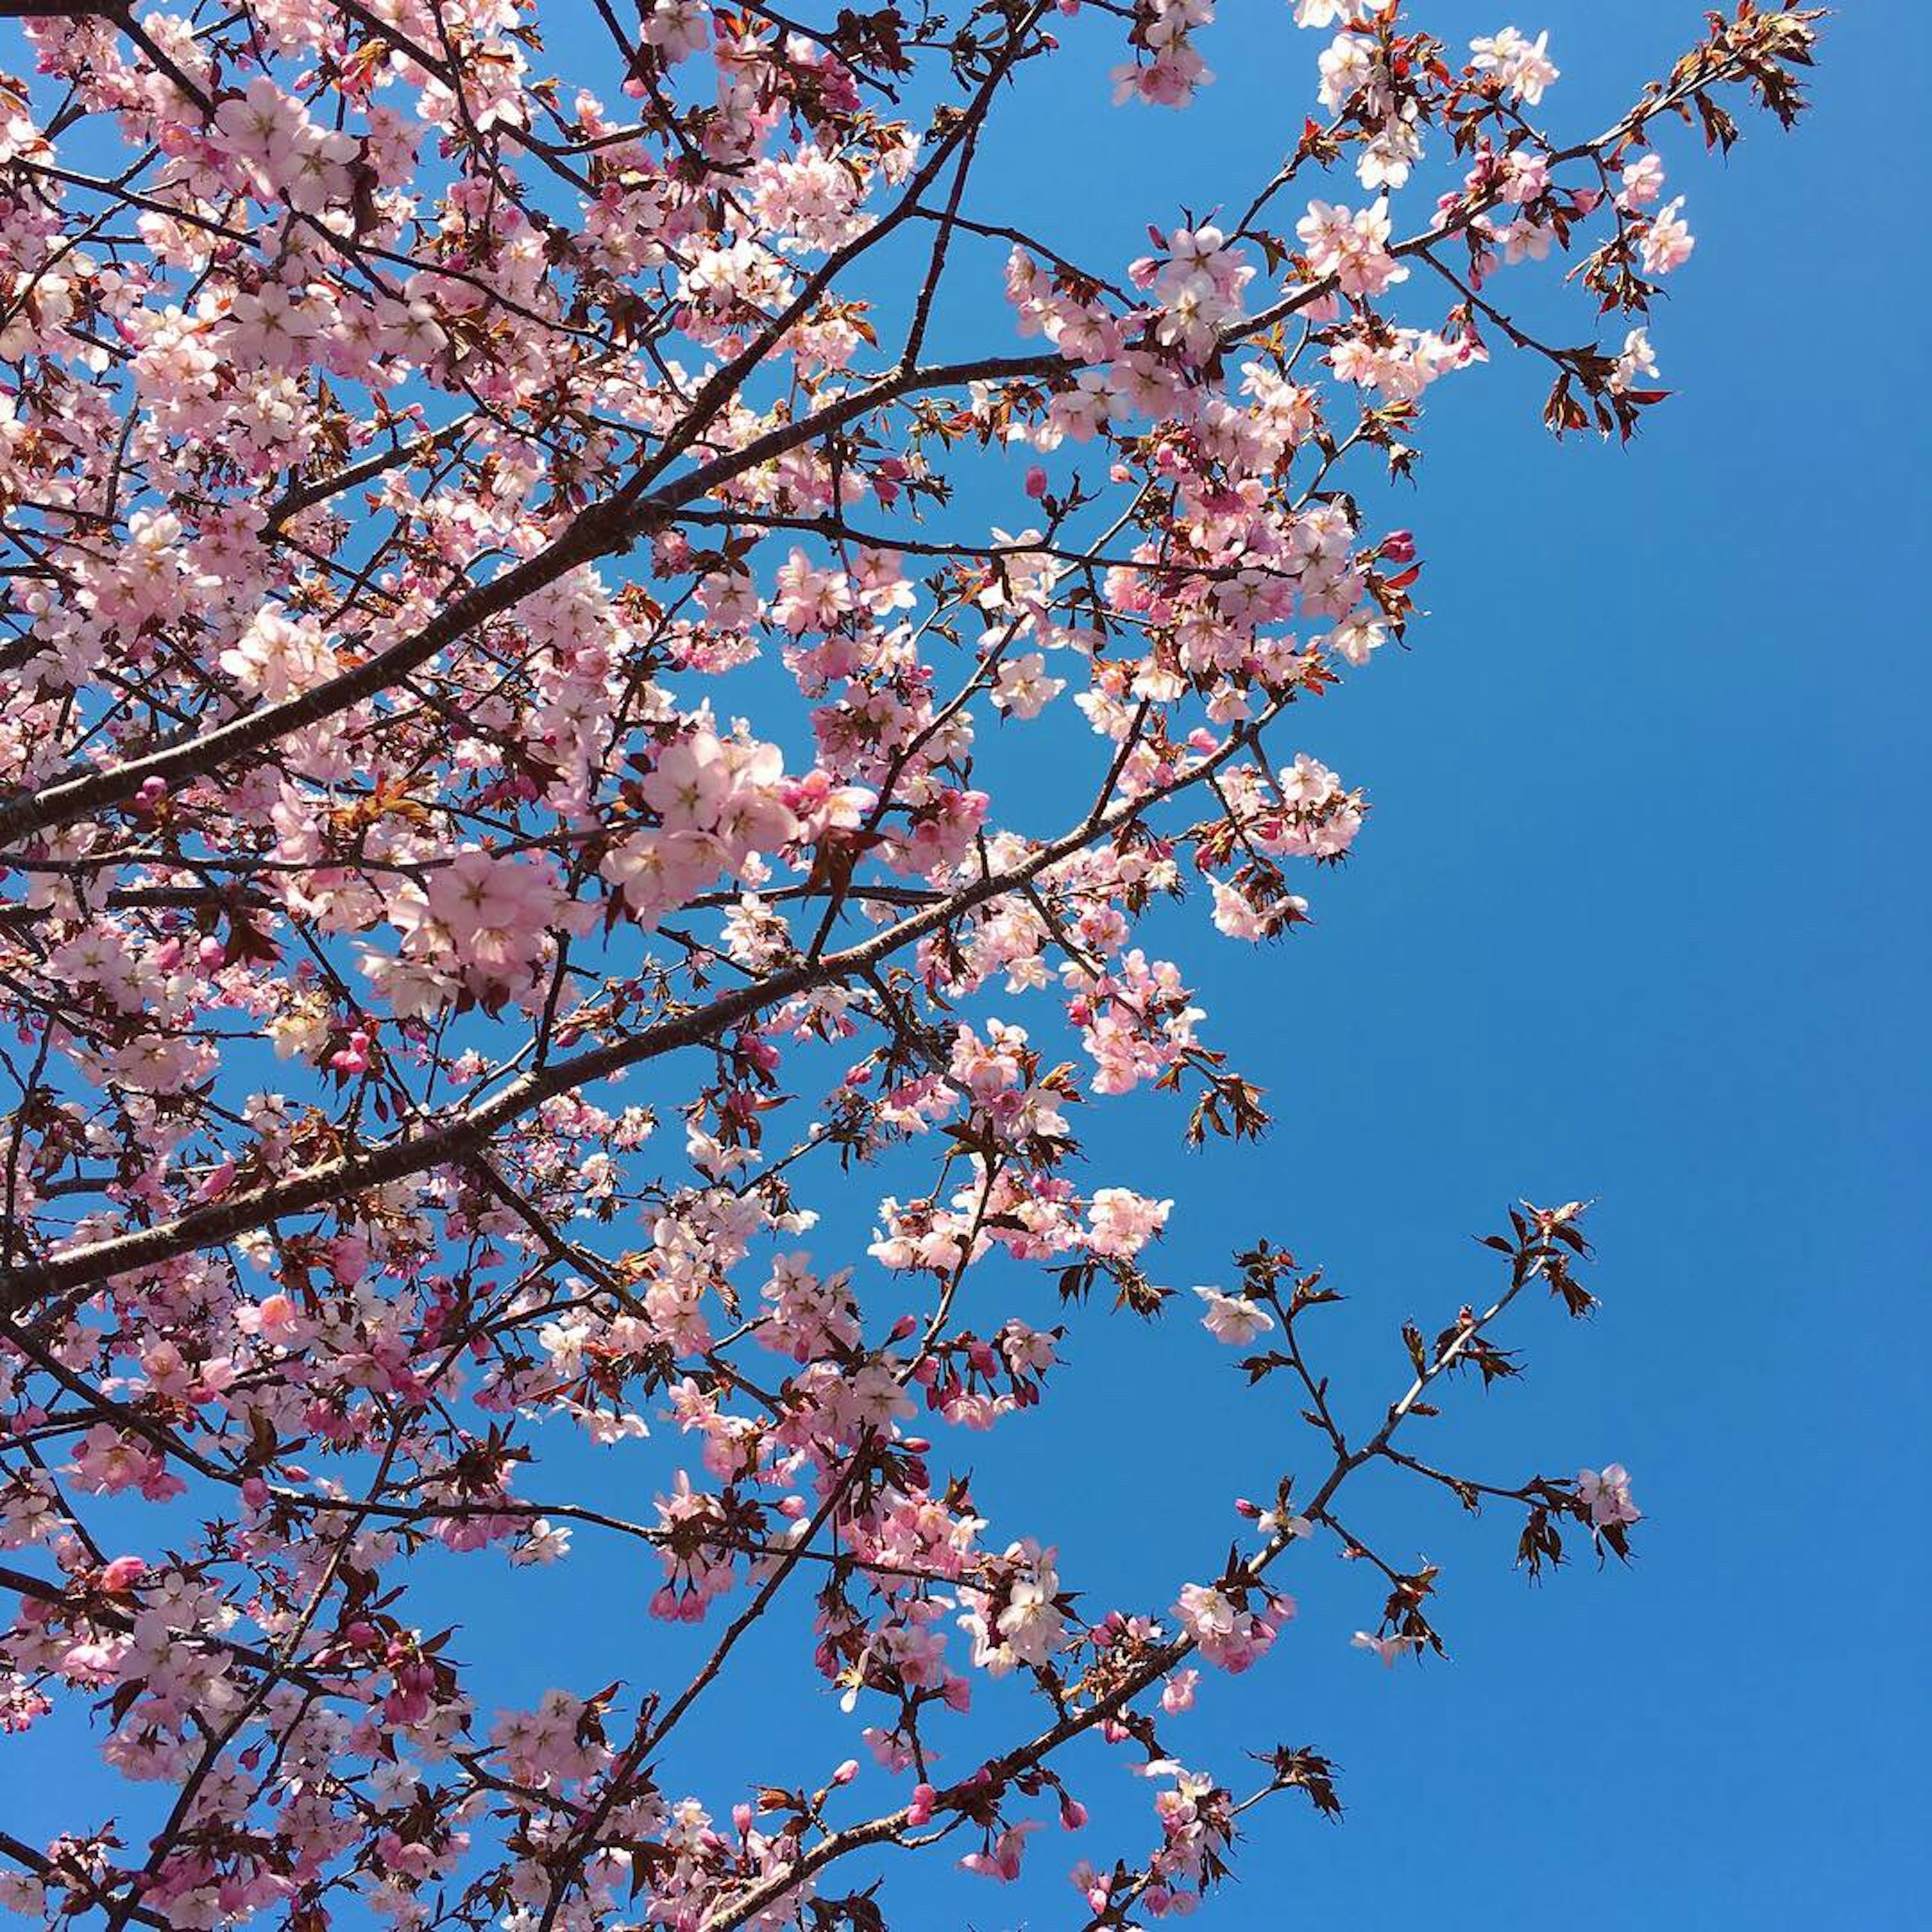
column 1633, row 919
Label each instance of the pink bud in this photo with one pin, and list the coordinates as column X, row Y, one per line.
column 1036, row 481
column 846, row 1772
column 919, row 1811
column 122, row 1573
column 211, row 953
column 1073, row 1813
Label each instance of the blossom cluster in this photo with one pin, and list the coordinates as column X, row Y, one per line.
column 502, row 601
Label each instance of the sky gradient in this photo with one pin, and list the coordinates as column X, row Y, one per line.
column 1634, row 920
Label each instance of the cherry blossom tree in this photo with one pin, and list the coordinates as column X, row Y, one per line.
column 502, row 593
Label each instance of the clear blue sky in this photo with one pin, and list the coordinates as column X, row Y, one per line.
column 1671, row 958
column 1674, row 962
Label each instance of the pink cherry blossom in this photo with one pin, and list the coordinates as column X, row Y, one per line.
column 1606, row 1494
column 624, row 655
